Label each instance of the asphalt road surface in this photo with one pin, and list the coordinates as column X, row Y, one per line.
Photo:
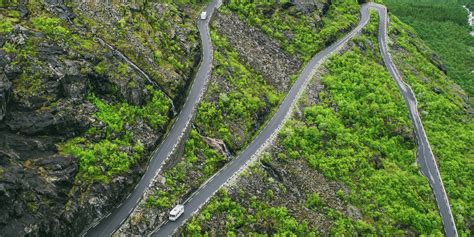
column 110, row 223
column 425, row 157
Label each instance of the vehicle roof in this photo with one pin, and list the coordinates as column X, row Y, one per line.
column 176, row 209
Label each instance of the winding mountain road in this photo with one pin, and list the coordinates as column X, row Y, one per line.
column 425, row 156
column 111, row 222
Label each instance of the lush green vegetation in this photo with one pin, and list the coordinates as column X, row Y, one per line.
column 299, row 33
column 366, row 143
column 276, row 219
column 358, row 134
column 5, row 26
column 446, row 118
column 443, row 26
column 116, row 152
column 242, row 105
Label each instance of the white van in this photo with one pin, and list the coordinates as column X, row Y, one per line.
column 177, row 211
column 203, row 15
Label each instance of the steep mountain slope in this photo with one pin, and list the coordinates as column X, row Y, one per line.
column 78, row 118
column 89, row 88
column 343, row 164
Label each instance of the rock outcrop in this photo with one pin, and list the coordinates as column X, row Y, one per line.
column 5, row 87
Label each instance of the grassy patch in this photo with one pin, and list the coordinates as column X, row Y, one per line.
column 51, row 26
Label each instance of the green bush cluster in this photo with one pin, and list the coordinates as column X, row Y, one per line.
column 314, row 201
column 105, row 153
column 8, row 17
column 5, row 27
column 155, row 112
column 298, row 33
column 117, row 151
column 446, row 119
column 51, row 26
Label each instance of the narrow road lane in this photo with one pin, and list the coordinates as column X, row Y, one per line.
column 424, row 156
column 111, row 222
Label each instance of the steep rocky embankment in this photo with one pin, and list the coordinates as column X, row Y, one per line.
column 77, row 118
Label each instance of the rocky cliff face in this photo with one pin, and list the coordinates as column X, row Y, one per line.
column 161, row 38
column 60, row 86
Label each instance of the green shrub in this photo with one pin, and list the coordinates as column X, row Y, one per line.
column 313, row 201
column 5, row 26
column 50, row 26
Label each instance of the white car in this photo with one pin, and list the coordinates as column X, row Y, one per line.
column 203, row 15
column 177, row 211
